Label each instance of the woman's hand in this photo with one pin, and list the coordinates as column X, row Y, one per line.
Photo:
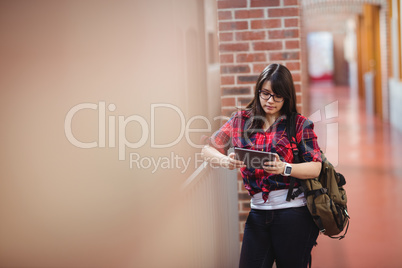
column 305, row 170
column 231, row 162
column 274, row 167
column 216, row 158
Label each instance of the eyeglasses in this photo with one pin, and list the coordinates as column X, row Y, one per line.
column 265, row 95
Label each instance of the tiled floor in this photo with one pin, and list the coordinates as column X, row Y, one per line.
column 369, row 153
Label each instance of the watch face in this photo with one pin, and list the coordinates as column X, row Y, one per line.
column 288, row 169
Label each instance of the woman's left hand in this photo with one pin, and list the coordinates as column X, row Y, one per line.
column 274, row 167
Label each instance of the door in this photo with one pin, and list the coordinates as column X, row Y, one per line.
column 370, row 59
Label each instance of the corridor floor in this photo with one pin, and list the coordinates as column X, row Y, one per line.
column 369, row 153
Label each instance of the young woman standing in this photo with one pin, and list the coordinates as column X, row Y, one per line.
column 275, row 230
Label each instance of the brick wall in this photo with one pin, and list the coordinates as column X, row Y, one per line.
column 253, row 34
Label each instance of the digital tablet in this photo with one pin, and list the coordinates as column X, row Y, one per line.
column 252, row 158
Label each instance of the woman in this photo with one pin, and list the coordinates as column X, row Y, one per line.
column 275, row 230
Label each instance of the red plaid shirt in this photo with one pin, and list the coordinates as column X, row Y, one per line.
column 273, row 140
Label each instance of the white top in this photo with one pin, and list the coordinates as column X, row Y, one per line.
column 277, row 200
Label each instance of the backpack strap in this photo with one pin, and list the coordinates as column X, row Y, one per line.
column 291, row 133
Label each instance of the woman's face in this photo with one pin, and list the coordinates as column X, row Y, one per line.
column 271, row 107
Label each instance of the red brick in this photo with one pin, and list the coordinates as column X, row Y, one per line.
column 269, row 45
column 244, row 101
column 233, row 25
column 242, row 193
column 281, row 34
column 228, row 102
column 245, row 206
column 226, row 58
column 259, row 67
column 298, row 88
column 225, row 15
column 247, row 79
column 288, row 55
column 233, row 47
column 227, row 80
column 266, row 24
column 249, row 14
column 251, row 57
column 292, row 44
column 296, row 77
column 225, row 37
column 291, row 23
column 283, row 12
column 264, row 3
column 293, row 66
column 230, row 91
column 232, row 69
column 250, row 35
column 291, row 2
column 243, row 216
column 231, row 3
column 240, row 178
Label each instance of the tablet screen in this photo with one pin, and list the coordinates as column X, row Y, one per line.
column 252, row 158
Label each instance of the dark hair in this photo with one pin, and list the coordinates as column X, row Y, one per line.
column 281, row 84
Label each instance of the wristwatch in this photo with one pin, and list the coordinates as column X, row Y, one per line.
column 287, row 170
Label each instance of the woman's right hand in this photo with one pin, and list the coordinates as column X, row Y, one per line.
column 232, row 163
column 216, row 158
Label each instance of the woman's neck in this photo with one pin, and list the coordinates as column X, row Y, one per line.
column 270, row 119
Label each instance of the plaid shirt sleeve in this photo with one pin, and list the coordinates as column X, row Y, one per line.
column 227, row 135
column 221, row 139
column 307, row 140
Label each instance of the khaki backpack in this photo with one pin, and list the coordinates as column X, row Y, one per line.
column 326, row 197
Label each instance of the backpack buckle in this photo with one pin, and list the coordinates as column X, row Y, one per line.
column 346, row 213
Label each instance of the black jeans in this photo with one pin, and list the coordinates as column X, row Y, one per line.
column 285, row 236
